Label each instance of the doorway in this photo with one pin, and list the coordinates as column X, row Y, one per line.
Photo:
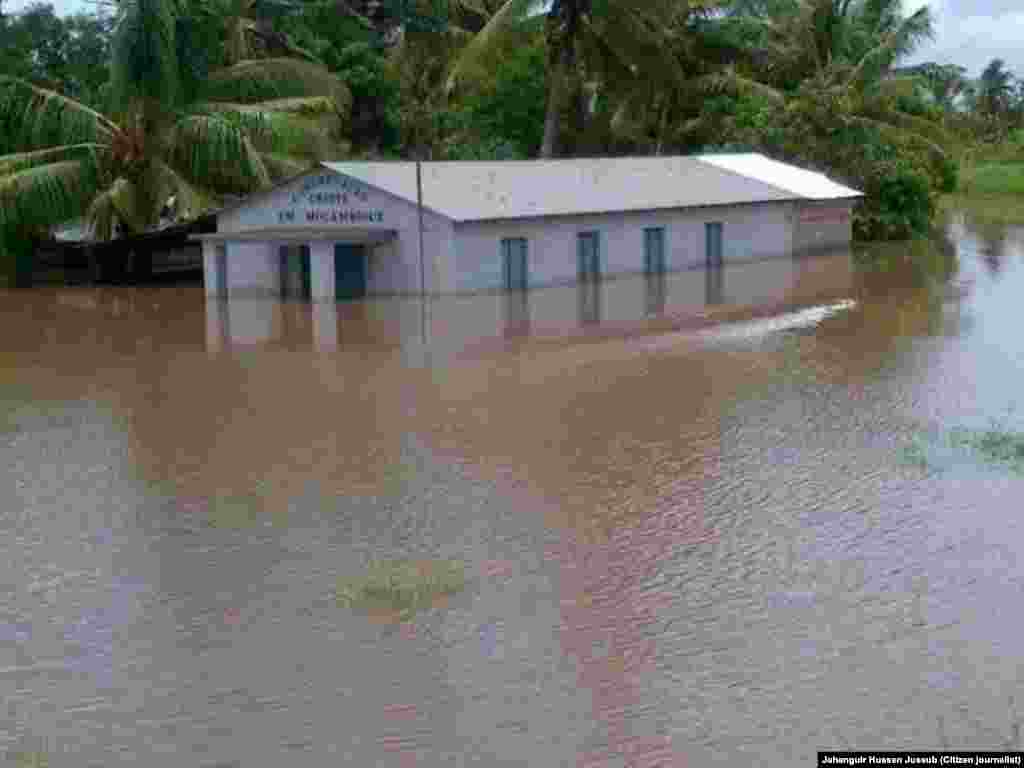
column 220, row 263
column 514, row 262
column 296, row 281
column 588, row 257
column 349, row 271
column 713, row 244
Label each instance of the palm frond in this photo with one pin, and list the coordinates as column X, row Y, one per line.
column 19, row 161
column 265, row 79
column 729, row 81
column 116, row 205
column 33, row 118
column 284, row 166
column 282, row 133
column 896, row 43
column 190, row 201
column 927, row 129
column 145, row 64
column 898, row 135
column 46, row 195
column 627, row 40
column 310, row 106
column 489, row 39
column 215, row 153
column 897, row 86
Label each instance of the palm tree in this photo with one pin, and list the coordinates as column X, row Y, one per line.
column 820, row 35
column 943, row 83
column 589, row 41
column 995, row 88
column 176, row 133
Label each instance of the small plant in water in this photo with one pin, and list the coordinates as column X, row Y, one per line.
column 998, row 445
column 32, row 760
column 915, row 453
column 403, row 586
column 231, row 512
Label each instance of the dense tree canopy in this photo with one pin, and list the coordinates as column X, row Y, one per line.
column 159, row 108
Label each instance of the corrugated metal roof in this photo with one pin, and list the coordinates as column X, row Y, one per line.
column 474, row 191
column 797, row 181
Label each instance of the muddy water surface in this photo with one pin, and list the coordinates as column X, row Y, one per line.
column 684, row 543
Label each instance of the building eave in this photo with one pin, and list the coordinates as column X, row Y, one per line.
column 339, row 234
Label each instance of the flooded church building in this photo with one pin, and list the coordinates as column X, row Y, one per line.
column 352, row 229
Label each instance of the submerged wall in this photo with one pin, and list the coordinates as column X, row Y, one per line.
column 822, row 226
column 750, row 233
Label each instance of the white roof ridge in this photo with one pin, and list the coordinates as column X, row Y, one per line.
column 483, row 190
column 704, row 159
column 802, row 182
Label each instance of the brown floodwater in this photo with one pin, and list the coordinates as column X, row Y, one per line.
column 689, row 532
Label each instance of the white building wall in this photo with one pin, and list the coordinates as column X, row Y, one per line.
column 823, row 226
column 253, row 269
column 749, row 233
column 310, row 201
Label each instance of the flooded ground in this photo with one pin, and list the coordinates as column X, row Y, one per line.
column 683, row 543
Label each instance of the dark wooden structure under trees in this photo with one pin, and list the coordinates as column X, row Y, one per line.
column 164, row 255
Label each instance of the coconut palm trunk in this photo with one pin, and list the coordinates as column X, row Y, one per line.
column 557, row 90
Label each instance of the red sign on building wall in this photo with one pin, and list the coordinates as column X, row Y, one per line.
column 826, row 215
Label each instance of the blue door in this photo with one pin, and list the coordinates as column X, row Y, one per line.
column 295, row 272
column 713, row 244
column 588, row 256
column 513, row 252
column 349, row 271
column 654, row 250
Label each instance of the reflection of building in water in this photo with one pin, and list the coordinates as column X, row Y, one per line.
column 656, row 291
column 243, row 321
column 517, row 313
column 588, row 295
column 453, row 322
column 713, row 285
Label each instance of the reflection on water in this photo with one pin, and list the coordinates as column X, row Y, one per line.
column 589, row 298
column 656, row 285
column 714, row 282
column 517, row 313
column 684, row 542
column 450, row 323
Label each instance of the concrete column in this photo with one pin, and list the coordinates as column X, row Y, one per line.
column 321, row 268
column 325, row 325
column 218, row 333
column 211, row 276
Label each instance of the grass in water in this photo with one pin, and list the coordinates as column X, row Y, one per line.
column 998, row 445
column 32, row 760
column 995, row 445
column 915, row 453
column 403, row 586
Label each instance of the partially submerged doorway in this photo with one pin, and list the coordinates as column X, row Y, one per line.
column 296, row 282
column 349, row 271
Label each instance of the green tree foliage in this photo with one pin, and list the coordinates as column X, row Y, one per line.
column 502, row 117
column 181, row 129
column 230, row 94
column 69, row 54
column 816, row 85
column 590, row 44
column 995, row 89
